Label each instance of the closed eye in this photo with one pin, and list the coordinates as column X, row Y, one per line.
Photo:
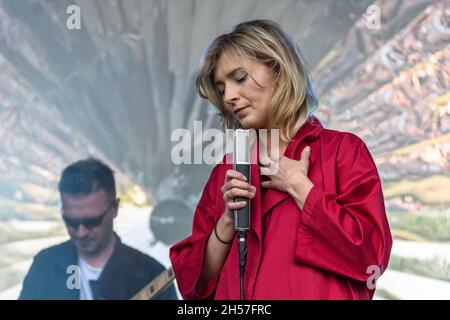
column 242, row 79
column 238, row 80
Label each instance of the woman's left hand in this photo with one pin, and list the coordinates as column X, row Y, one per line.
column 290, row 176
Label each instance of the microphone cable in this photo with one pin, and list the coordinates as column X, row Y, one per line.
column 242, row 245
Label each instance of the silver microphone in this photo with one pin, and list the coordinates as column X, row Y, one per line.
column 241, row 164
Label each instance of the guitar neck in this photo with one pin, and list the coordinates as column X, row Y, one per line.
column 151, row 290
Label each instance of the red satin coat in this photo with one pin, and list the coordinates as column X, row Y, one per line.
column 321, row 252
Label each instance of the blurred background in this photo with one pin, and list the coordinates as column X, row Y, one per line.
column 118, row 86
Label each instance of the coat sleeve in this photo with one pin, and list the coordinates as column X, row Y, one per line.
column 348, row 233
column 187, row 256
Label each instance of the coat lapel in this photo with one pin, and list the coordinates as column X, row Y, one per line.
column 66, row 256
column 116, row 278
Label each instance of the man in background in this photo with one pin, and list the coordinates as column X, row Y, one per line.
column 94, row 263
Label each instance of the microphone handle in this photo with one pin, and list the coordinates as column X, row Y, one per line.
column 242, row 216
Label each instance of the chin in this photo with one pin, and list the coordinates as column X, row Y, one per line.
column 248, row 124
column 245, row 125
column 88, row 250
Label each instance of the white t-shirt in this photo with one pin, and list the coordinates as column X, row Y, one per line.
column 87, row 273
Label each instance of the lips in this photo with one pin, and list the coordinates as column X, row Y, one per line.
column 239, row 112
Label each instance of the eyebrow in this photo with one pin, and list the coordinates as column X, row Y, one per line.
column 232, row 72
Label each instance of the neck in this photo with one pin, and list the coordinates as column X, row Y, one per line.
column 100, row 258
column 282, row 145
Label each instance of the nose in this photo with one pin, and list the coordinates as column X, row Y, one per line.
column 81, row 231
column 230, row 95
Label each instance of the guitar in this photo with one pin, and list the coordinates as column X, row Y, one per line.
column 151, row 290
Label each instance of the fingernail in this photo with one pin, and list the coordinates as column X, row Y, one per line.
column 308, row 148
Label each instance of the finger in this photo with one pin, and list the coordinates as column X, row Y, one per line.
column 233, row 193
column 231, row 174
column 236, row 205
column 305, row 157
column 266, row 184
column 276, row 157
column 265, row 161
column 237, row 185
column 275, row 154
column 306, row 152
column 234, row 183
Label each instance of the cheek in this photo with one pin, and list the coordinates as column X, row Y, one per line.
column 253, row 89
column 259, row 94
column 265, row 99
column 104, row 228
column 98, row 232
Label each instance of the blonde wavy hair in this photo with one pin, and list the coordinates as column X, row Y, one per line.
column 294, row 100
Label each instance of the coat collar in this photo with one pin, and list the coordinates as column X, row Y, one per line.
column 308, row 132
column 117, row 274
column 111, row 284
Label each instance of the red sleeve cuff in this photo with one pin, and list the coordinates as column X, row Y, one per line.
column 199, row 251
column 307, row 215
column 306, row 220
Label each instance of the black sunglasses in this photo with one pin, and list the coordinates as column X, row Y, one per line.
column 89, row 223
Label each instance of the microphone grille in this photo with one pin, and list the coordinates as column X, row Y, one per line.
column 241, row 146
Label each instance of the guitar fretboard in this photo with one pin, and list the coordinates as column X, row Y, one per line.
column 158, row 284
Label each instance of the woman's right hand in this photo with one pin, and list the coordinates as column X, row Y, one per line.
column 218, row 246
column 236, row 185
